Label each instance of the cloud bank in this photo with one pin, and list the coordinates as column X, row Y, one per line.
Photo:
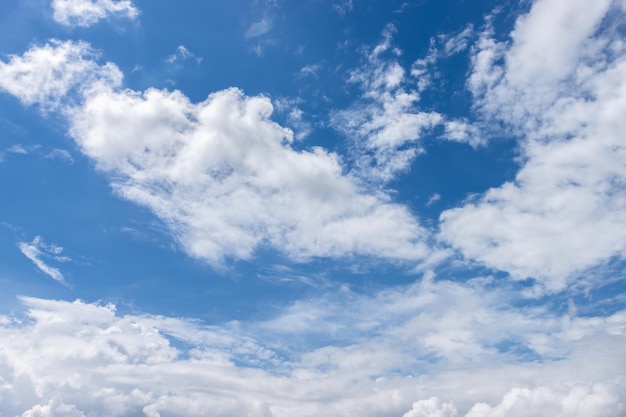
column 429, row 349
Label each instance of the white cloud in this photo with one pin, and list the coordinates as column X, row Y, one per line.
column 84, row 13
column 219, row 173
column 258, row 29
column 428, row 349
column 385, row 123
column 559, row 87
column 46, row 75
column 61, row 154
column 17, row 148
column 343, row 7
column 309, row 71
column 225, row 179
column 295, row 117
column 38, row 250
column 463, row 131
column 433, row 199
column 595, row 400
column 182, row 54
column 432, row 407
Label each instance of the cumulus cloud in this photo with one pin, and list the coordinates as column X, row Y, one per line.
column 84, row 13
column 412, row 353
column 39, row 252
column 49, row 74
column 559, row 87
column 432, row 407
column 219, row 173
column 225, row 179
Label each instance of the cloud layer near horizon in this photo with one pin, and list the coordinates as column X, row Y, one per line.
column 433, row 347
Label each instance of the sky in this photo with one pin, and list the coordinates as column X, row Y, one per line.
column 272, row 208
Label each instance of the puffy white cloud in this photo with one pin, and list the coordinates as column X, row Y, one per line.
column 225, row 179
column 54, row 408
column 219, row 173
column 595, row 400
column 432, row 407
column 559, row 87
column 47, row 75
column 85, row 13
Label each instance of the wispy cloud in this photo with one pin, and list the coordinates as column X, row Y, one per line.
column 183, row 54
column 17, row 148
column 343, row 7
column 433, row 199
column 60, row 154
column 258, row 29
column 39, row 252
column 386, row 123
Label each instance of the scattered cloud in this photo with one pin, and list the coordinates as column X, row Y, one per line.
column 385, row 122
column 17, row 148
column 39, row 252
column 465, row 132
column 433, row 199
column 183, row 54
column 84, row 13
column 295, row 119
column 258, row 33
column 559, row 88
column 309, row 71
column 343, row 6
column 61, row 154
column 258, row 29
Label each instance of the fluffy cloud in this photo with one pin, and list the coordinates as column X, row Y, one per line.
column 85, row 13
column 432, row 407
column 596, row 400
column 75, row 358
column 54, row 74
column 219, row 173
column 559, row 87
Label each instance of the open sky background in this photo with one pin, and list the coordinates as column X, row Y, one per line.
column 313, row 208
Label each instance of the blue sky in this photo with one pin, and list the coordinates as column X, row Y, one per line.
column 312, row 208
